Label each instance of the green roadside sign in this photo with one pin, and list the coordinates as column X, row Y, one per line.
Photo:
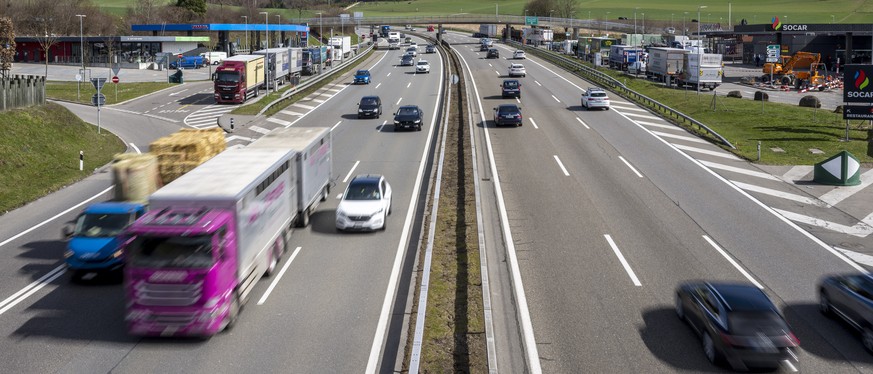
column 533, row 21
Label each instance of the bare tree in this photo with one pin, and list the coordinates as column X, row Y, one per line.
column 48, row 20
column 566, row 8
column 299, row 5
column 7, row 45
column 144, row 11
column 540, row 7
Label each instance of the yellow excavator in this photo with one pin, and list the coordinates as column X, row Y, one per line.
column 799, row 69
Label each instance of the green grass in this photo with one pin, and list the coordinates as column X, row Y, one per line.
column 126, row 91
column 39, row 152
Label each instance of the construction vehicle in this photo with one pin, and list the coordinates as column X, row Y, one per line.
column 799, row 69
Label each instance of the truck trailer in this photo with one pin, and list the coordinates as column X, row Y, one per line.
column 487, row 30
column 342, row 47
column 278, row 65
column 665, row 63
column 701, row 70
column 238, row 77
column 621, row 56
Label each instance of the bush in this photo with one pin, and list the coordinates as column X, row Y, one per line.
column 810, row 102
column 761, row 96
column 736, row 94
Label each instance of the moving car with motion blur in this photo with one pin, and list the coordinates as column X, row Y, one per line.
column 407, row 60
column 737, row 323
column 365, row 204
column 519, row 55
column 422, row 67
column 430, row 48
column 493, row 53
column 850, row 297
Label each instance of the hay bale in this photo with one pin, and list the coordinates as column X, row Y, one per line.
column 736, row 94
column 761, row 96
column 810, row 101
column 136, row 177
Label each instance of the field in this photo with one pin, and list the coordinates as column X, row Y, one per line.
column 126, row 91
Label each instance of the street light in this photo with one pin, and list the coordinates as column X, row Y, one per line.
column 82, row 45
column 671, row 20
column 832, row 18
column 319, row 28
column 550, row 15
column 698, row 22
column 684, row 29
column 247, row 31
column 635, row 19
column 644, row 23
column 279, row 22
column 267, row 33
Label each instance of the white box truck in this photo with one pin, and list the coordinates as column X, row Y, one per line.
column 295, row 65
column 487, row 31
column 278, row 65
column 342, row 46
column 701, row 69
column 313, row 162
column 665, row 63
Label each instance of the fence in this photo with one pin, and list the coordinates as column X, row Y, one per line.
column 20, row 91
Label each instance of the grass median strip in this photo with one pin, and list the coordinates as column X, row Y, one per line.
column 126, row 91
column 39, row 152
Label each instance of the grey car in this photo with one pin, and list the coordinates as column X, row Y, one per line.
column 407, row 60
column 850, row 297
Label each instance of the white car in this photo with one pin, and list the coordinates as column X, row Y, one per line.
column 365, row 205
column 517, row 70
column 422, row 67
column 412, row 51
column 595, row 97
column 413, row 44
column 518, row 55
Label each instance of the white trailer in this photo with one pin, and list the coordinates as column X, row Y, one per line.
column 313, row 162
column 278, row 65
column 488, row 30
column 295, row 66
column 665, row 63
column 703, row 70
column 342, row 45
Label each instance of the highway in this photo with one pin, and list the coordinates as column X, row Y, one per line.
column 331, row 308
column 607, row 211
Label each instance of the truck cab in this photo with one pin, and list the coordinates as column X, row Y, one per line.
column 93, row 238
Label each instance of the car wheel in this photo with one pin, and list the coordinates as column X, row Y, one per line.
column 824, row 305
column 384, row 222
column 680, row 309
column 359, row 116
column 418, row 128
column 709, row 349
column 389, row 207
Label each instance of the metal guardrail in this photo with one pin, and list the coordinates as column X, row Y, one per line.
column 614, row 85
column 323, row 76
column 467, row 19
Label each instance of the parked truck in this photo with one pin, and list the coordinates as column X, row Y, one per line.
column 342, row 47
column 487, row 31
column 238, row 77
column 621, row 56
column 665, row 63
column 278, row 65
column 295, row 65
column 311, row 59
column 701, row 70
column 385, row 29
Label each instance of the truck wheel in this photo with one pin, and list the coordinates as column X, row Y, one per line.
column 303, row 221
column 324, row 193
column 232, row 315
column 275, row 255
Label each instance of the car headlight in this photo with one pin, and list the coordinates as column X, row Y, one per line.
column 360, row 110
column 118, row 253
column 418, row 121
column 396, row 122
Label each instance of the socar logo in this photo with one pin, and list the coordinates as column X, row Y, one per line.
column 861, row 80
column 776, row 23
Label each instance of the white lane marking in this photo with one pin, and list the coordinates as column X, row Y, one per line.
column 349, row 175
column 631, row 108
column 538, row 83
column 707, row 152
column 556, row 74
column 583, row 123
column 781, row 194
column 836, row 195
column 498, row 73
column 307, row 107
column 528, row 338
column 857, row 257
column 655, row 124
column 518, row 100
column 177, row 92
column 335, row 126
column 790, row 366
column 263, row 130
column 680, row 137
column 408, row 84
column 334, row 89
column 319, row 100
column 639, row 115
column 389, row 74
column 737, row 170
column 135, row 148
column 32, row 288
column 627, row 268
column 382, row 125
column 398, row 101
column 382, row 325
column 38, row 225
column 861, row 229
column 278, row 277
column 630, row 166
column 561, row 165
column 237, row 137
column 733, row 262
column 215, row 108
column 489, row 64
column 556, row 99
column 274, row 120
column 797, row 172
column 290, row 113
column 377, row 86
column 533, row 123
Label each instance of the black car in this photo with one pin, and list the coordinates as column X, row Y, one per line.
column 493, row 53
column 510, row 87
column 851, row 298
column 408, row 117
column 483, row 47
column 430, row 48
column 737, row 323
column 407, row 60
column 507, row 114
column 370, row 106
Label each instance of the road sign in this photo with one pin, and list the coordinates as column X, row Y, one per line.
column 533, row 21
column 116, row 69
column 78, row 77
column 857, row 112
column 359, row 15
column 772, row 53
column 115, row 79
column 98, row 100
column 98, row 83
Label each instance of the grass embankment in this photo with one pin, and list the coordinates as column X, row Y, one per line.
column 126, row 91
column 454, row 335
column 256, row 107
column 39, row 152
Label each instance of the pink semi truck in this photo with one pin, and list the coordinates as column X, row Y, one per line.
column 210, row 235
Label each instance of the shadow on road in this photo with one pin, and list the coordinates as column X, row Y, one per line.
column 673, row 342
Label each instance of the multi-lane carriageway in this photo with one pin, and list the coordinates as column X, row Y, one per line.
column 601, row 213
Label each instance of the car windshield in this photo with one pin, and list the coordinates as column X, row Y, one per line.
column 517, row 66
column 363, row 191
column 754, row 323
column 422, row 63
column 227, row 76
column 363, row 72
column 510, row 84
column 171, row 252
column 102, row 225
column 368, row 101
column 407, row 112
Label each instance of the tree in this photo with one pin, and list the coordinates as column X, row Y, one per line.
column 7, row 45
column 566, row 8
column 299, row 5
column 48, row 20
column 195, row 8
column 143, row 11
column 540, row 7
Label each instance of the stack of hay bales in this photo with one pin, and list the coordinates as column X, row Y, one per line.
column 135, row 176
column 182, row 151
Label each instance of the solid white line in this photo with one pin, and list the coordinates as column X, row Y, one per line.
column 38, row 225
column 346, row 179
column 58, row 272
column 781, row 194
column 335, row 126
column 627, row 268
column 398, row 101
column 583, row 123
column 528, row 339
column 538, row 83
column 135, row 148
column 408, row 84
column 734, row 263
column 737, row 170
column 561, row 165
column 721, row 154
column 533, row 123
column 35, row 283
column 263, row 130
column 319, row 100
column 278, row 277
column 556, row 99
column 630, row 166
column 636, row 109
column 839, row 194
column 655, row 124
column 857, row 257
column 680, row 137
column 274, row 120
column 382, row 325
column 377, row 86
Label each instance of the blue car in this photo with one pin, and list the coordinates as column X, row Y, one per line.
column 93, row 243
column 362, row 77
column 188, row 62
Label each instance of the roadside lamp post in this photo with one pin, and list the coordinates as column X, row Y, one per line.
column 671, row 20
column 247, row 31
column 279, row 22
column 644, row 23
column 635, row 19
column 82, row 45
column 698, row 22
column 267, row 34
column 550, row 15
column 684, row 29
column 832, row 18
column 320, row 31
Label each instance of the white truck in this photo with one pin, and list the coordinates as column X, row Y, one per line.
column 295, row 66
column 313, row 163
column 701, row 70
column 665, row 63
column 342, row 47
column 487, row 30
column 278, row 65
column 393, row 40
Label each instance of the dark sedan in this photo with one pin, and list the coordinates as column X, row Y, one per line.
column 430, row 48
column 507, row 114
column 851, row 298
column 737, row 323
column 370, row 106
column 493, row 53
column 407, row 60
column 408, row 117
